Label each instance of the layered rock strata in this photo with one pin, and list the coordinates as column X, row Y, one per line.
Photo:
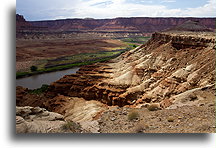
column 103, row 28
column 141, row 24
column 168, row 65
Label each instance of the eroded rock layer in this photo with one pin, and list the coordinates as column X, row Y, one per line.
column 168, row 65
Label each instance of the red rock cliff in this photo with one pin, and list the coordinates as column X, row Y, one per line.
column 142, row 24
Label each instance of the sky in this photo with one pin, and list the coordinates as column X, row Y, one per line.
column 34, row 10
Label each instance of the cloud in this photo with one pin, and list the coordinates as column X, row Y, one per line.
column 208, row 10
column 168, row 1
column 117, row 8
column 122, row 8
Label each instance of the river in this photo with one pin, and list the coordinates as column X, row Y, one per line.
column 36, row 81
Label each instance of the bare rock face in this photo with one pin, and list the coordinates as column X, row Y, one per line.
column 182, row 40
column 85, row 113
column 21, row 23
column 37, row 120
column 120, row 24
column 104, row 28
column 24, row 98
column 189, row 25
column 77, row 116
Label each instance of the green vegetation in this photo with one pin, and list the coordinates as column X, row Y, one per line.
column 84, row 58
column 138, row 40
column 21, row 74
column 134, row 42
column 40, row 90
column 134, row 46
column 67, row 62
column 33, row 68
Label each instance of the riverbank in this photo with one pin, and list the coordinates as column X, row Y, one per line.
column 69, row 62
column 58, row 68
column 36, row 81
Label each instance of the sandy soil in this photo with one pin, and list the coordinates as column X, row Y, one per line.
column 187, row 119
column 29, row 51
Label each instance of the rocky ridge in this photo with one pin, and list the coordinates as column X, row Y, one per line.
column 168, row 66
column 106, row 28
column 141, row 24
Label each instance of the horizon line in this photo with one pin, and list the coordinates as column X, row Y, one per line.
column 89, row 18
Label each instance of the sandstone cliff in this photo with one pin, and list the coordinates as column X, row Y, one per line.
column 144, row 25
column 21, row 22
column 25, row 26
column 134, row 24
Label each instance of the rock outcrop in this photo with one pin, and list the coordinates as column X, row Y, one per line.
column 37, row 120
column 168, row 65
column 23, row 27
column 21, row 23
column 78, row 119
column 73, row 115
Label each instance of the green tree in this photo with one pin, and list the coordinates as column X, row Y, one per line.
column 33, row 68
column 134, row 46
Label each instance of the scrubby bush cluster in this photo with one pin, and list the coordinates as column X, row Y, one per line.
column 72, row 127
column 133, row 115
column 40, row 90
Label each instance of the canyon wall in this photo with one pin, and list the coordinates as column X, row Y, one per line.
column 144, row 25
column 134, row 24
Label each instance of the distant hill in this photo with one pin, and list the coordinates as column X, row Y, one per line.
column 134, row 24
column 194, row 26
column 23, row 25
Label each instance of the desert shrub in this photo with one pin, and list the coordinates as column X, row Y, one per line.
column 33, row 68
column 140, row 127
column 21, row 74
column 134, row 46
column 154, row 107
column 133, row 115
column 71, row 126
column 170, row 119
column 40, row 90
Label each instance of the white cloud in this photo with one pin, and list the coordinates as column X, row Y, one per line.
column 168, row 1
column 207, row 10
column 121, row 8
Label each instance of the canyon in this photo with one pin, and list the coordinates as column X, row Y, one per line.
column 133, row 24
column 166, row 85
